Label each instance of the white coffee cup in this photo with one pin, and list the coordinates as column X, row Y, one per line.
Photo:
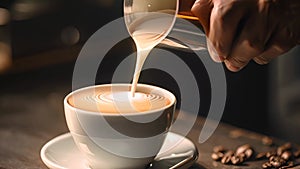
column 120, row 140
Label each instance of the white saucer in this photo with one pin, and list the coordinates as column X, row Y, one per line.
column 62, row 153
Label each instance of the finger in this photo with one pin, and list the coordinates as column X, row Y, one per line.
column 252, row 39
column 278, row 45
column 271, row 53
column 267, row 56
column 202, row 9
column 231, row 65
column 243, row 51
column 225, row 18
column 213, row 52
column 241, row 54
column 236, row 63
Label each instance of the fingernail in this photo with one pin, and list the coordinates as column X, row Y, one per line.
column 232, row 67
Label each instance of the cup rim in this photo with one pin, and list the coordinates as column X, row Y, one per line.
column 171, row 97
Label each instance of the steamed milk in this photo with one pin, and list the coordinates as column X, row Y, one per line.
column 117, row 100
column 147, row 30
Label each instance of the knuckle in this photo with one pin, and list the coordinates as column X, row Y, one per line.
column 255, row 45
column 223, row 13
column 226, row 11
column 226, row 8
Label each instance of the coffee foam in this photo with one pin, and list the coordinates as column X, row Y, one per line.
column 117, row 100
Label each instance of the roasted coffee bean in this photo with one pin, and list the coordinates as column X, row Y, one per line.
column 280, row 158
column 217, row 156
column 283, row 148
column 276, row 158
column 236, row 160
column 266, row 165
column 249, row 153
column 277, row 161
column 287, row 155
column 297, row 153
column 280, row 150
column 287, row 145
column 267, row 141
column 243, row 156
column 261, row 156
column 242, row 149
column 217, row 149
column 227, row 157
column 272, row 158
column 276, row 164
column 288, row 165
column 270, row 153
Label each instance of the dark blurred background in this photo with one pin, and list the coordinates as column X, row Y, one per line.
column 40, row 41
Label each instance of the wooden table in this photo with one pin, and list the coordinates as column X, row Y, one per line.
column 31, row 116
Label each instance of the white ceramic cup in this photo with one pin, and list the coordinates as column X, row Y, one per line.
column 120, row 141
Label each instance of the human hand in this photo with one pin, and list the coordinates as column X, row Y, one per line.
column 241, row 30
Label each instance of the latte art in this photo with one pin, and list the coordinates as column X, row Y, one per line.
column 118, row 101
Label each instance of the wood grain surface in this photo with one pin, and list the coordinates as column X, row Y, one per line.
column 32, row 115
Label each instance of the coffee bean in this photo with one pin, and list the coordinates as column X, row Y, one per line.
column 242, row 149
column 280, row 150
column 249, row 153
column 288, row 165
column 268, row 141
column 276, row 158
column 287, row 145
column 280, row 158
column 284, row 147
column 261, row 156
column 227, row 157
column 217, row 149
column 272, row 158
column 276, row 161
column 217, row 156
column 276, row 164
column 297, row 153
column 235, row 160
column 270, row 153
column 242, row 156
column 287, row 155
column 266, row 165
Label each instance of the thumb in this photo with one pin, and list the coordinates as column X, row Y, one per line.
column 202, row 9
